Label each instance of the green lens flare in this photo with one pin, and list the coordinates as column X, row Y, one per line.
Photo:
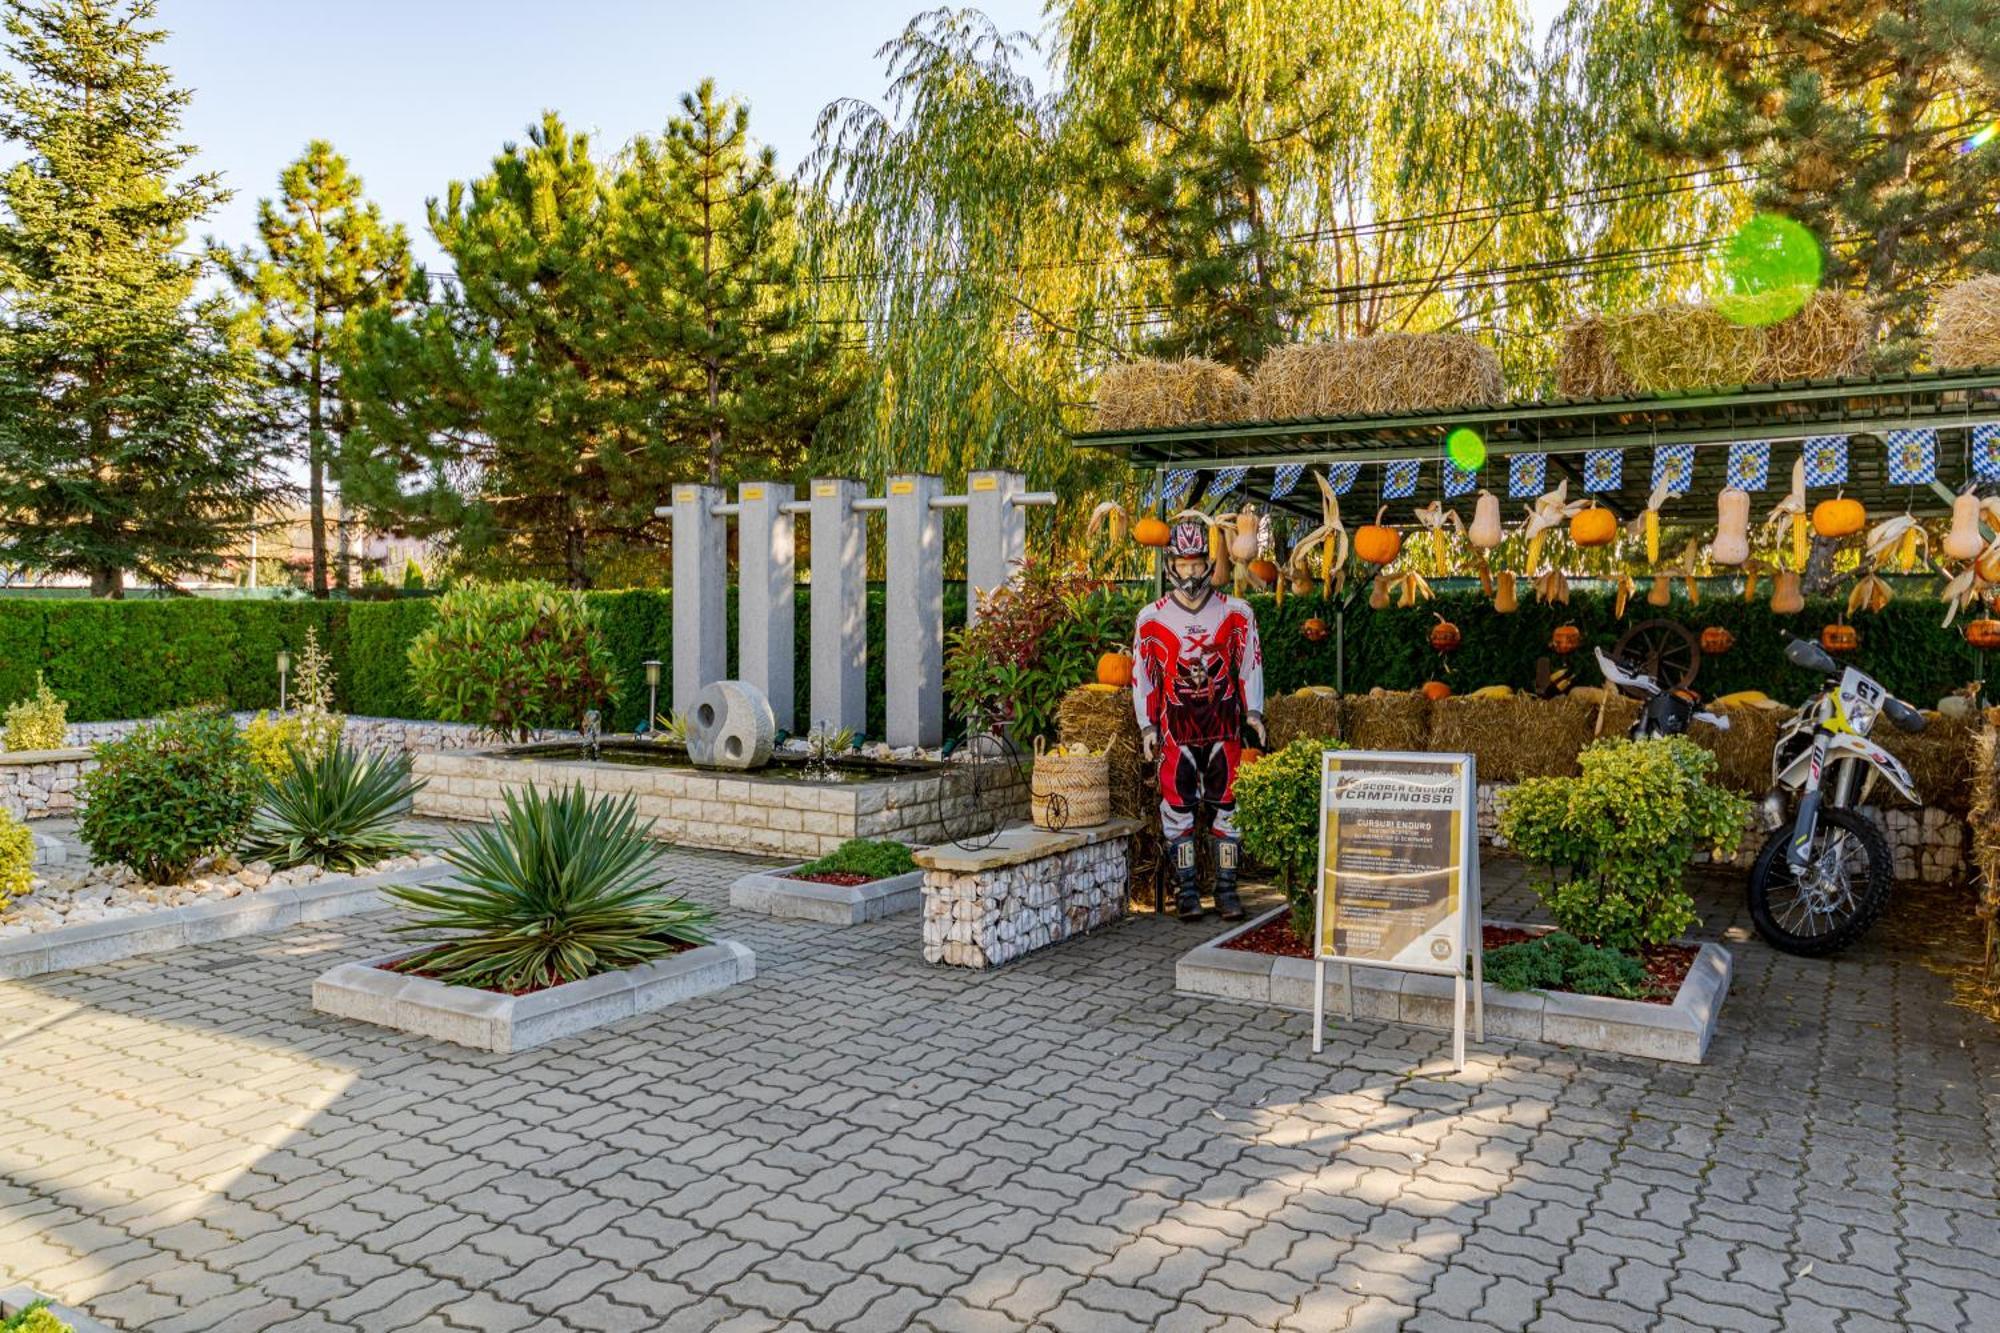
column 1772, row 264
column 1467, row 450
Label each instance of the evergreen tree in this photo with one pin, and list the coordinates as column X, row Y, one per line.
column 326, row 256
column 740, row 369
column 1861, row 117
column 129, row 437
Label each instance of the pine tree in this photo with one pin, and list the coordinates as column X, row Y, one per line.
column 129, row 422
column 326, row 256
column 1861, row 116
column 742, row 371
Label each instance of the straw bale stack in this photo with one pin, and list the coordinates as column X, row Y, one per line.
column 1965, row 327
column 1584, row 366
column 1100, row 716
column 1388, row 720
column 1940, row 760
column 1827, row 337
column 1386, row 372
column 1312, row 713
column 1517, row 738
column 1681, row 347
column 1194, row 391
column 1743, row 752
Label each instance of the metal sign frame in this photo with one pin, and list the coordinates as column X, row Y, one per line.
column 1464, row 780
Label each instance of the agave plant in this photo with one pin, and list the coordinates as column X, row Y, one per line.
column 560, row 887
column 336, row 809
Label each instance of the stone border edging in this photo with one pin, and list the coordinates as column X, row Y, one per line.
column 15, row 1299
column 773, row 894
column 1679, row 1032
column 491, row 1021
column 165, row 928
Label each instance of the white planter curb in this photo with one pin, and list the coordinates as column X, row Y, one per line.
column 770, row 892
column 13, row 1300
column 1679, row 1032
column 490, row 1021
column 167, row 928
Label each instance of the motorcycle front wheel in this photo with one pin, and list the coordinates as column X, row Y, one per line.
column 1843, row 889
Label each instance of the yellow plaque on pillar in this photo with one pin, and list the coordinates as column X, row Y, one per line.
column 684, row 497
column 751, row 493
column 986, row 483
column 826, row 488
column 902, row 488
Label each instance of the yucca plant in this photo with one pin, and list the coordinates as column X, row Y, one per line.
column 560, row 887
column 336, row 809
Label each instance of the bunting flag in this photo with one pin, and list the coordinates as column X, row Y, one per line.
column 1912, row 457
column 1226, row 481
column 1603, row 469
column 1749, row 465
column 1399, row 479
column 1526, row 474
column 1986, row 452
column 1457, row 480
column 1826, row 460
column 1174, row 487
column 1673, row 467
column 1341, row 477
column 1285, row 479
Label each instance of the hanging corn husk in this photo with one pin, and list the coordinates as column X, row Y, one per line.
column 1688, row 557
column 1485, row 572
column 1790, row 512
column 1551, row 586
column 1751, row 570
column 1899, row 538
column 1412, row 588
column 1870, row 593
column 1625, row 588
column 1648, row 522
column 1111, row 517
column 1434, row 518
column 1330, row 538
column 1551, row 510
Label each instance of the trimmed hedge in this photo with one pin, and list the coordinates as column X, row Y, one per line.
column 140, row 658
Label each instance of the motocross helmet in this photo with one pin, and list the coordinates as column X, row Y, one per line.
column 1189, row 541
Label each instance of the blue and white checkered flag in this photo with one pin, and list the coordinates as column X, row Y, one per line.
column 1986, row 452
column 1285, row 479
column 1826, row 460
column 1912, row 457
column 1673, row 467
column 1399, row 479
column 1603, row 469
column 1341, row 477
column 1174, row 487
column 1226, row 481
column 1526, row 474
column 1457, row 480
column 1749, row 465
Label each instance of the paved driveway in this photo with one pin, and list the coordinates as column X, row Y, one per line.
column 856, row 1140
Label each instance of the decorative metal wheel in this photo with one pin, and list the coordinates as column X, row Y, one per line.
column 1666, row 650
column 986, row 748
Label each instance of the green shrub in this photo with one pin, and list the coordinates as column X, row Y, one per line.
column 512, row 657
column 1277, row 816
column 169, row 794
column 273, row 737
column 17, row 859
column 38, row 722
column 1560, row 961
column 1610, row 847
column 35, row 1317
column 1038, row 637
column 336, row 808
column 860, row 856
column 560, row 887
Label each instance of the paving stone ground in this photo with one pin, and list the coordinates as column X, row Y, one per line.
column 856, row 1140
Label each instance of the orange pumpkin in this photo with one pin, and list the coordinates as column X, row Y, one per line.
column 1265, row 572
column 1983, row 634
column 1840, row 638
column 1314, row 630
column 1114, row 669
column 1567, row 639
column 1150, row 531
column 1445, row 636
column 1436, row 689
column 1839, row 517
column 1716, row 640
column 1595, row 526
column 1377, row 544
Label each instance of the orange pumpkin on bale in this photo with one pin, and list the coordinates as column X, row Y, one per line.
column 1150, row 531
column 1839, row 517
column 1445, row 636
column 1114, row 669
column 1983, row 634
column 1716, row 640
column 1566, row 640
column 1594, row 526
column 1377, row 543
column 1435, row 690
column 1837, row 638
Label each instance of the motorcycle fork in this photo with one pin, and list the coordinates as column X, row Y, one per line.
column 1798, row 852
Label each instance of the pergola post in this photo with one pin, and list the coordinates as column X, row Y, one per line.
column 839, row 606
column 701, row 558
column 996, row 533
column 915, row 638
column 766, row 593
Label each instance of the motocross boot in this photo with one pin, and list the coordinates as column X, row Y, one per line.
column 1228, row 851
column 1187, row 892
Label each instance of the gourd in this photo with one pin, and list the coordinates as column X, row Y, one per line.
column 1435, row 690
column 1715, row 641
column 1983, row 634
column 1963, row 542
column 1445, row 636
column 1265, row 572
column 1243, row 546
column 1593, row 526
column 1732, row 528
column 1150, row 531
column 1838, row 638
column 1376, row 543
column 1485, row 532
column 1662, row 593
column 1566, row 639
column 1378, row 593
column 1787, row 598
column 1504, row 601
column 1987, row 566
column 1839, row 517
column 1114, row 669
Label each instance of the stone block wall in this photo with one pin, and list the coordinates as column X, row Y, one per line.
column 36, row 784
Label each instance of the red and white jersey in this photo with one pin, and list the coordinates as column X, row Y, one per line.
column 1197, row 673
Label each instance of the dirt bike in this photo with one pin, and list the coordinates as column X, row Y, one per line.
column 1824, row 875
column 1666, row 712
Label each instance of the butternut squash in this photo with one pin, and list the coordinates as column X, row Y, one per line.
column 1243, row 545
column 1963, row 542
column 1663, row 591
column 1787, row 599
column 1732, row 528
column 1485, row 532
column 1378, row 593
column 1504, row 600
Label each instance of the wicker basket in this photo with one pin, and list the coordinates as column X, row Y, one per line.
column 1069, row 791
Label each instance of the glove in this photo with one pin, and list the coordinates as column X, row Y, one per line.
column 1149, row 743
column 1254, row 724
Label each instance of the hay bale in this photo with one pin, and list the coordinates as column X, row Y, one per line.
column 1828, row 336
column 1100, row 716
column 1940, row 759
column 1386, row 372
column 1513, row 739
column 1584, row 366
column 1742, row 753
column 1387, row 721
column 1682, row 347
column 1194, row 391
column 1313, row 713
column 1965, row 325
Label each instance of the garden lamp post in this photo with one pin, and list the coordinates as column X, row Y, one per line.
column 284, row 670
column 652, row 693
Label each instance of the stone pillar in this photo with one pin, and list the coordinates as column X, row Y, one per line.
column 766, row 593
column 996, row 533
column 839, row 606
column 914, row 672
column 701, row 573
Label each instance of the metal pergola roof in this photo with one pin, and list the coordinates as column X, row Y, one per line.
column 1786, row 414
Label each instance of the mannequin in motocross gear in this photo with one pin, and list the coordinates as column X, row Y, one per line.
column 1198, row 689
